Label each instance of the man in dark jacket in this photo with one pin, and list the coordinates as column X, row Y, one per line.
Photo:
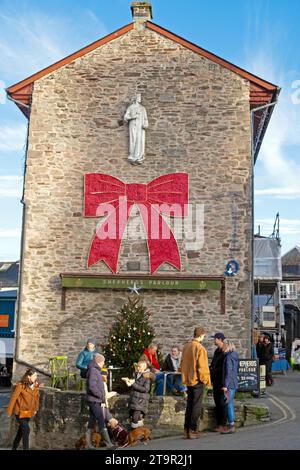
column 216, row 373
column 139, row 395
column 95, row 395
column 260, row 348
column 267, row 359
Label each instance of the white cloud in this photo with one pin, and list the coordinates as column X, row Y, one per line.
column 288, row 227
column 12, row 137
column 35, row 36
column 9, row 233
column 31, row 40
column 279, row 193
column 269, row 62
column 11, row 186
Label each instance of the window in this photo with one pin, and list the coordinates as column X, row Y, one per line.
column 288, row 291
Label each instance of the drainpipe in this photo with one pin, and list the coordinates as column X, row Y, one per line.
column 252, row 112
column 17, row 358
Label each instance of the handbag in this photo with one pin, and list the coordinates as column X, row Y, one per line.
column 226, row 397
column 25, row 414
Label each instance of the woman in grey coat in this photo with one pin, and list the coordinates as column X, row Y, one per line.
column 139, row 395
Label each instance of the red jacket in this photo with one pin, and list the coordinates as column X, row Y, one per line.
column 152, row 359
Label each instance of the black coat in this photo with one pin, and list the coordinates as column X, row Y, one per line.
column 267, row 354
column 168, row 364
column 139, row 395
column 259, row 350
column 216, row 368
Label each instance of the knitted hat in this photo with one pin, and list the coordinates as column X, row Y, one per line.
column 92, row 341
column 98, row 357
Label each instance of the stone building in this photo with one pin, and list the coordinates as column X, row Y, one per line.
column 199, row 109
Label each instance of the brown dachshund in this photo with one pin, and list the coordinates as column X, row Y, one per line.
column 96, row 440
column 136, row 434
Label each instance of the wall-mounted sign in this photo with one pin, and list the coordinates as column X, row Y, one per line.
column 144, row 282
column 91, row 282
column 232, row 268
column 4, row 321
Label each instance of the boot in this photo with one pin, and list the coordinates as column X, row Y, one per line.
column 106, row 438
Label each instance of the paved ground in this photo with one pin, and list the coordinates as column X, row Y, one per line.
column 282, row 433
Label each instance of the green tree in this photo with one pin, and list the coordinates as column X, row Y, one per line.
column 130, row 334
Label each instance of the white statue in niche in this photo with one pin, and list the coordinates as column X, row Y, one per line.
column 136, row 116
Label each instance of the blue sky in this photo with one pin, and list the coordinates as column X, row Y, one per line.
column 261, row 36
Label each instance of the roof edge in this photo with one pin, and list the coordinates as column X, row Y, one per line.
column 213, row 57
column 66, row 60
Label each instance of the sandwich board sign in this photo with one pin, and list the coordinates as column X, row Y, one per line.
column 248, row 375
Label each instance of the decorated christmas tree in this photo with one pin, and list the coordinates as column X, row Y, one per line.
column 130, row 335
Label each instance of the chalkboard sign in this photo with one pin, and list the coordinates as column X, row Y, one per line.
column 248, row 377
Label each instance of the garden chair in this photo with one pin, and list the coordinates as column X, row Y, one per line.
column 81, row 386
column 60, row 372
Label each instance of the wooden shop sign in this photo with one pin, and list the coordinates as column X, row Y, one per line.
column 120, row 282
column 141, row 282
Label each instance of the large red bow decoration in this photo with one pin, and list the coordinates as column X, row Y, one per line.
column 106, row 195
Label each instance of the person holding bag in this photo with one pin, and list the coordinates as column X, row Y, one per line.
column 24, row 404
column 229, row 384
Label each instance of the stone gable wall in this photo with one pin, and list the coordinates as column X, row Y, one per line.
column 199, row 123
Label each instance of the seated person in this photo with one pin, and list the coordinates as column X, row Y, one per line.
column 86, row 356
column 150, row 357
column 139, row 394
column 171, row 364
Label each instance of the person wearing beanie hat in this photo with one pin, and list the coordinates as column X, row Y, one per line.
column 91, row 341
column 85, row 357
column 95, row 395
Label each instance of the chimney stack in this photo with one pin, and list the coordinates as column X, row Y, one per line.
column 141, row 12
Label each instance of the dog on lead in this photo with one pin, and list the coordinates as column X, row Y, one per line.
column 119, row 434
column 82, row 441
column 137, row 434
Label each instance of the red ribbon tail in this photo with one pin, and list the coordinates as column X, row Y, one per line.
column 163, row 251
column 162, row 245
column 104, row 250
column 107, row 241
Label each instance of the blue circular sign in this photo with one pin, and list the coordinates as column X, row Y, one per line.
column 232, row 268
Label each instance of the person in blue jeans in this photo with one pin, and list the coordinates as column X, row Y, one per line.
column 229, row 383
column 171, row 364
